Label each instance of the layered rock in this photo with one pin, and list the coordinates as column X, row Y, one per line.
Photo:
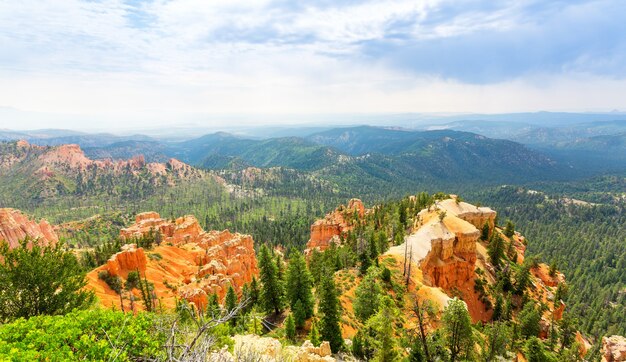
column 329, row 230
column 613, row 349
column 451, row 261
column 188, row 263
column 445, row 245
column 16, row 226
column 475, row 215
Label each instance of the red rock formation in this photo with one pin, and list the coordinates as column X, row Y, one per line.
column 129, row 259
column 189, row 262
column 613, row 349
column 15, row 227
column 329, row 229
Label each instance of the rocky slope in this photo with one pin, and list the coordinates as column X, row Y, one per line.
column 16, row 226
column 334, row 225
column 38, row 172
column 188, row 262
column 447, row 253
column 613, row 349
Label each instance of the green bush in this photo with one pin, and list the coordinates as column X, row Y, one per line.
column 113, row 281
column 81, row 335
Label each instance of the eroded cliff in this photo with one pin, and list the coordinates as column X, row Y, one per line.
column 187, row 262
column 334, row 225
column 16, row 226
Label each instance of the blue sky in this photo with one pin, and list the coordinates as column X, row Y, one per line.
column 143, row 62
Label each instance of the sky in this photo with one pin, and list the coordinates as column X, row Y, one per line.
column 114, row 63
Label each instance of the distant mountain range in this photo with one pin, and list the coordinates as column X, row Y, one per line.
column 461, row 151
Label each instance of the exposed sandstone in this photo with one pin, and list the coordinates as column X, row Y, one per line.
column 475, row 215
column 447, row 251
column 189, row 263
column 329, row 230
column 16, row 226
column 270, row 349
column 613, row 349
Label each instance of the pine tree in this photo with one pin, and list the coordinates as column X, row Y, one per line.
column 495, row 249
column 497, row 309
column 230, row 302
column 529, row 319
column 367, row 296
column 534, row 350
column 484, row 235
column 299, row 284
column 509, row 229
column 271, row 290
column 382, row 323
column 254, row 292
column 290, row 329
column 457, row 329
column 314, row 335
column 329, row 309
column 299, row 314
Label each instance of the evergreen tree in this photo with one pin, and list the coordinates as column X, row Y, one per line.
column 366, row 262
column 529, row 319
column 299, row 284
column 382, row 323
column 509, row 229
column 254, row 292
column 497, row 335
column 497, row 309
column 271, row 290
column 457, row 329
column 314, row 335
column 535, row 351
column 290, row 329
column 495, row 249
column 522, row 279
column 230, row 302
column 416, row 354
column 484, row 235
column 330, row 315
column 367, row 296
column 299, row 314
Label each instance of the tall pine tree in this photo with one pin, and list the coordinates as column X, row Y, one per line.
column 272, row 289
column 329, row 309
column 299, row 284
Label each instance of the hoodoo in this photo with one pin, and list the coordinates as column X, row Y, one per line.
column 16, row 226
column 329, row 230
column 186, row 262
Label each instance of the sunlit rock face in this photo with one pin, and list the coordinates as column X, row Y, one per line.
column 187, row 263
column 329, row 230
column 16, row 226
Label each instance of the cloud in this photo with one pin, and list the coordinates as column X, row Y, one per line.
column 221, row 56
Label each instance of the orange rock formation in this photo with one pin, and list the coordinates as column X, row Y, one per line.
column 71, row 157
column 445, row 246
column 329, row 229
column 15, row 227
column 189, row 263
column 613, row 349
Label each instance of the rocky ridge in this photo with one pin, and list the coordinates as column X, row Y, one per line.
column 448, row 256
column 16, row 226
column 187, row 262
column 332, row 227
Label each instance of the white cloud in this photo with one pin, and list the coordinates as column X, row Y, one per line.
column 181, row 57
